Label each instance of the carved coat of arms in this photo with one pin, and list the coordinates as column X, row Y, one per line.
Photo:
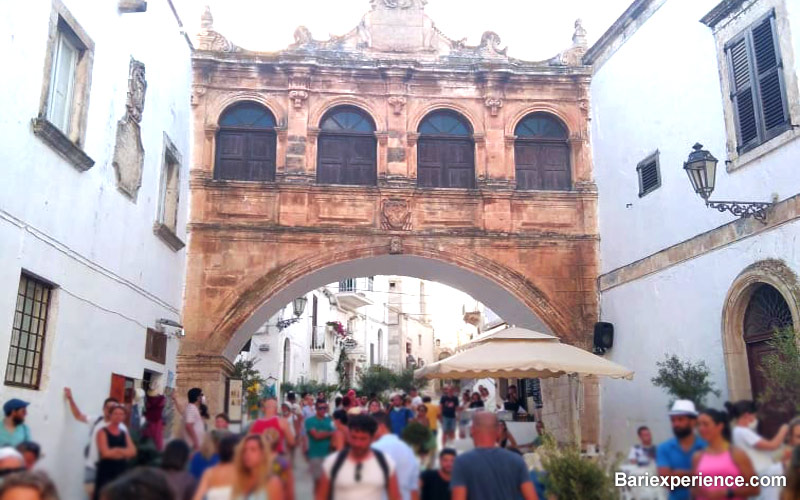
column 396, row 215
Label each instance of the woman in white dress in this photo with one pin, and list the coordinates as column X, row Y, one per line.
column 254, row 478
column 217, row 482
column 745, row 437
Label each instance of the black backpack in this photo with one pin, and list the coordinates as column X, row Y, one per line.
column 342, row 456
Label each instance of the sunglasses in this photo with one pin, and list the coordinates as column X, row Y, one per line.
column 359, row 466
column 6, row 472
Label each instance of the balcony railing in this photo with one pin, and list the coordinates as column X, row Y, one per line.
column 323, row 344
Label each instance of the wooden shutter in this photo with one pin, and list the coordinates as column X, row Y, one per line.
column 429, row 163
column 261, row 156
column 231, row 155
column 542, row 165
column 555, row 166
column 360, row 168
column 332, row 151
column 770, row 77
column 742, row 90
column 459, row 164
column 156, row 346
column 117, row 387
column 527, row 172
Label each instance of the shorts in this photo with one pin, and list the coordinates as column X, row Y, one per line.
column 89, row 475
column 315, row 466
column 448, row 424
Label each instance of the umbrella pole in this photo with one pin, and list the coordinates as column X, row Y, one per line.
column 575, row 390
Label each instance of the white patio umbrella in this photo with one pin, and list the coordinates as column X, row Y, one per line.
column 521, row 353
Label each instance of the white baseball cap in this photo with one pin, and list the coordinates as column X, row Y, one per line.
column 683, row 407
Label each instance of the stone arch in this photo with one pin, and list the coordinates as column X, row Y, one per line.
column 218, row 106
column 239, row 318
column 320, row 109
column 475, row 123
column 572, row 125
column 772, row 272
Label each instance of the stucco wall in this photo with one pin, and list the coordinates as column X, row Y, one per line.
column 115, row 278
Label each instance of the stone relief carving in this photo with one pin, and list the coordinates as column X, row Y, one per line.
column 302, row 36
column 398, row 4
column 298, row 97
column 396, row 215
column 494, row 104
column 490, row 44
column 128, row 158
column 397, row 102
column 396, row 246
column 198, row 91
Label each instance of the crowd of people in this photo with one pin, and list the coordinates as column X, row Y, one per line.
column 356, row 447
column 353, row 446
column 721, row 444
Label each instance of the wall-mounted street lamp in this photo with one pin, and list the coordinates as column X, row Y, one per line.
column 702, row 170
column 298, row 306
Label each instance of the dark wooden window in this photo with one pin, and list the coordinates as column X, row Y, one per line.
column 24, row 366
column 758, row 90
column 649, row 174
column 246, row 144
column 155, row 348
column 766, row 312
column 445, row 151
column 541, row 153
column 347, row 149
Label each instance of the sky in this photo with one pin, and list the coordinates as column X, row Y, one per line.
column 532, row 29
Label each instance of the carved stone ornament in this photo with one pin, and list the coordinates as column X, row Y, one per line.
column 573, row 56
column 128, row 160
column 395, row 246
column 395, row 215
column 494, row 104
column 398, row 4
column 137, row 87
column 397, row 102
column 198, row 91
column 211, row 40
column 298, row 97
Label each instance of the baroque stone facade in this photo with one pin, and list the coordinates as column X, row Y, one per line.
column 253, row 238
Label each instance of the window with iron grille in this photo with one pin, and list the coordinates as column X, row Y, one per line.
column 156, row 346
column 24, row 367
column 348, row 285
column 758, row 90
column 649, row 174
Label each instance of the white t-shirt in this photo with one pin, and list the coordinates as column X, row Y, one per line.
column 96, row 423
column 416, row 401
column 372, row 484
column 746, row 439
column 194, row 419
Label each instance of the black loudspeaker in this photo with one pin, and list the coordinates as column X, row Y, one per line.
column 603, row 337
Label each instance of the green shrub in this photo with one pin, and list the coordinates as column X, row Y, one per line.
column 417, row 436
column 782, row 369
column 571, row 477
column 379, row 379
column 685, row 380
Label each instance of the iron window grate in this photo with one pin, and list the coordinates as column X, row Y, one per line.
column 24, row 366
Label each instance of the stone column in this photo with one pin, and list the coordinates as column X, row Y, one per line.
column 209, row 372
column 298, row 168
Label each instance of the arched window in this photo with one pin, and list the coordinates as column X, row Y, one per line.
column 347, row 148
column 541, row 152
column 445, row 151
column 246, row 144
column 767, row 312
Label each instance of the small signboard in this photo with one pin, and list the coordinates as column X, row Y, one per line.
column 233, row 400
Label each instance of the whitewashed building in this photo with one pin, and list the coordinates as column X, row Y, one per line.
column 678, row 277
column 96, row 127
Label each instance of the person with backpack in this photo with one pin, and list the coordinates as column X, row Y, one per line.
column 359, row 472
column 96, row 423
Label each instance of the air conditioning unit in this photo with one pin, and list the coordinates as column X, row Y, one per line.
column 263, row 347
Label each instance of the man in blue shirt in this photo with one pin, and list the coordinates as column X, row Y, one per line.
column 674, row 456
column 399, row 415
column 14, row 431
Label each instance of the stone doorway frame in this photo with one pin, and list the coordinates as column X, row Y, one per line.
column 771, row 272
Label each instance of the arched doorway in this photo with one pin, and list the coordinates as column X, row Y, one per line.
column 763, row 298
column 287, row 356
column 767, row 312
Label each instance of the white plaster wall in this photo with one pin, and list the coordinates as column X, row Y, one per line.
column 677, row 311
column 661, row 91
column 115, row 278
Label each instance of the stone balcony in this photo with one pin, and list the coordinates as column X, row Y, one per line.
column 323, row 344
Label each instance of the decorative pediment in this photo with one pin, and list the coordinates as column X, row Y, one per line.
column 398, row 29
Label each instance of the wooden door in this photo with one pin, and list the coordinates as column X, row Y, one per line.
column 542, row 165
column 445, row 163
column 347, row 159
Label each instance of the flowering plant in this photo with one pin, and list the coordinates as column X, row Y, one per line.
column 337, row 327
